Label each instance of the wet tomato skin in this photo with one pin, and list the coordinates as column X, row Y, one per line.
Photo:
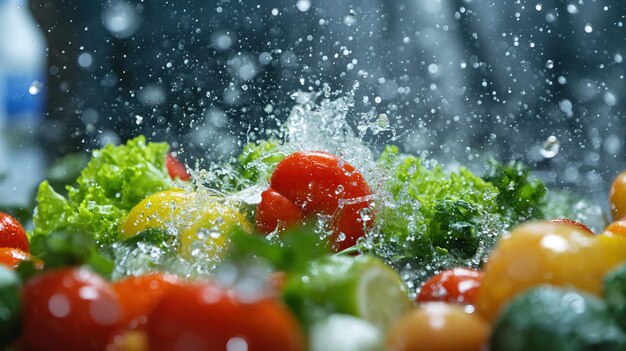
column 203, row 317
column 276, row 210
column 438, row 326
column 139, row 295
column 12, row 233
column 574, row 223
column 175, row 168
column 458, row 285
column 316, row 182
column 11, row 257
column 69, row 309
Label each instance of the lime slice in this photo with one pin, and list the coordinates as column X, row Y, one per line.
column 363, row 287
column 342, row 332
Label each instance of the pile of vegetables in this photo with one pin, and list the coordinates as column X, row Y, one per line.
column 298, row 251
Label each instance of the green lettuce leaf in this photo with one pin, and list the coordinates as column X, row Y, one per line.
column 114, row 181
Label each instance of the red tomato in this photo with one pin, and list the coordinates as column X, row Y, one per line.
column 12, row 257
column 574, row 223
column 316, row 183
column 208, row 318
column 453, row 285
column 70, row 309
column 12, row 233
column 175, row 168
column 138, row 295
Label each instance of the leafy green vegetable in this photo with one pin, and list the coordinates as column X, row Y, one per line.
column 520, row 198
column 151, row 250
column 64, row 248
column 292, row 252
column 64, row 171
column 430, row 214
column 254, row 165
column 115, row 179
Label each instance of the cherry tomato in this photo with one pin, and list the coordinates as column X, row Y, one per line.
column 138, row 295
column 12, row 257
column 175, row 168
column 616, row 228
column 574, row 223
column 317, row 183
column 539, row 253
column 12, row 233
column 438, row 326
column 452, row 285
column 70, row 309
column 203, row 317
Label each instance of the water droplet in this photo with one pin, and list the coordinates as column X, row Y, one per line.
column 236, row 344
column 138, row 119
column 350, row 18
column 339, row 189
column 303, row 5
column 35, row 87
column 588, row 28
column 538, row 7
column 366, row 214
column 85, row 59
column 571, row 8
column 609, row 98
column 275, row 12
column 549, row 64
column 433, row 68
column 550, row 147
column 121, row 19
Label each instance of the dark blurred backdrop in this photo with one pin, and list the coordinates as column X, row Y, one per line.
column 461, row 79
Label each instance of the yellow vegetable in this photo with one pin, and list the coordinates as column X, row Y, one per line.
column 200, row 220
column 547, row 253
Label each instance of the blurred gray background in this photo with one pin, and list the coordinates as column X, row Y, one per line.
column 460, row 80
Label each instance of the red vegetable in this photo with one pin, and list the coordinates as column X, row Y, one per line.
column 314, row 182
column 175, row 168
column 139, row 295
column 203, row 317
column 453, row 285
column 71, row 309
column 12, row 233
column 11, row 257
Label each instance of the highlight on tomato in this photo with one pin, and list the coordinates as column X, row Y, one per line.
column 458, row 285
column 12, row 233
column 309, row 183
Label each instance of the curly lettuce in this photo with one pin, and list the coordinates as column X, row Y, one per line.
column 433, row 219
column 114, row 181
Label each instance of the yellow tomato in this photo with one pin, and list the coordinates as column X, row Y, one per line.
column 156, row 211
column 546, row 253
column 438, row 326
column 201, row 221
column 617, row 197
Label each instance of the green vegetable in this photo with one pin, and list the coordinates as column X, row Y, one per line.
column 432, row 218
column 65, row 170
column 615, row 294
column 149, row 251
column 10, row 307
column 520, row 198
column 115, row 179
column 361, row 286
column 254, row 165
column 292, row 252
column 64, row 248
column 555, row 319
